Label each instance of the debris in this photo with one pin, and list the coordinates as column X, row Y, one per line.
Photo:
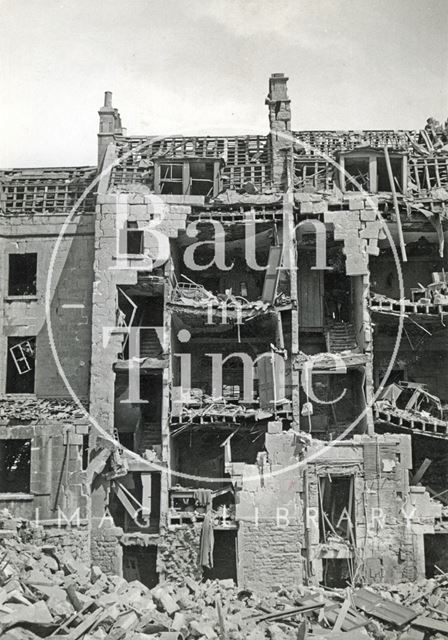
column 60, row 599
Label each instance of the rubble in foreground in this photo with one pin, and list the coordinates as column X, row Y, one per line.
column 43, row 595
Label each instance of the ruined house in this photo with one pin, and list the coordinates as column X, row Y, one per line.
column 224, row 355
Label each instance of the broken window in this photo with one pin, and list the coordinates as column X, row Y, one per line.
column 336, row 501
column 20, row 365
column 201, row 178
column 383, row 182
column 187, row 176
column 135, row 502
column 15, row 461
column 22, row 274
column 358, row 169
column 171, row 178
column 134, row 239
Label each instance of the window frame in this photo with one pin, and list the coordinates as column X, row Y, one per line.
column 372, row 155
column 13, row 360
column 187, row 180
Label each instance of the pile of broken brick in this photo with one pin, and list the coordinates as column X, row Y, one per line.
column 45, row 595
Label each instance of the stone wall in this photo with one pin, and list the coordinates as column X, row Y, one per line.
column 105, row 549
column 74, row 540
column 71, row 284
column 270, row 554
column 278, row 515
column 178, row 552
column 57, row 480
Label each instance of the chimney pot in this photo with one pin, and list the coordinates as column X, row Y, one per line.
column 108, row 98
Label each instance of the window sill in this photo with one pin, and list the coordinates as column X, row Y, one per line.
column 20, row 298
column 18, row 396
column 16, row 497
column 130, row 256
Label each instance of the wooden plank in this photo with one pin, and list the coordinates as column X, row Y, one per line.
column 431, row 624
column 385, row 610
column 427, row 178
column 341, row 615
column 272, row 274
column 421, row 471
column 278, row 615
column 436, row 166
column 85, row 625
column 396, row 207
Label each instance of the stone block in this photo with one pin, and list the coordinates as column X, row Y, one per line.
column 373, row 248
column 331, row 217
column 356, row 204
column 275, row 427
column 371, row 230
column 82, row 429
column 356, row 266
column 138, row 211
column 320, row 207
column 302, row 197
column 136, row 198
column 179, row 209
column 371, row 202
column 306, row 208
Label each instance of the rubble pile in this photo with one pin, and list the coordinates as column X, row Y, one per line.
column 43, row 595
column 32, row 410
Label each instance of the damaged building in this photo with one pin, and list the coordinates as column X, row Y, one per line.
column 224, row 356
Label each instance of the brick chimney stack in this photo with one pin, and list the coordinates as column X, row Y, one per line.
column 110, row 125
column 280, row 125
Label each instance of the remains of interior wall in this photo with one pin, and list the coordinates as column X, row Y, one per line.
column 278, row 515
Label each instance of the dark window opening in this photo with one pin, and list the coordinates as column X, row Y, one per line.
column 358, row 169
column 20, row 367
column 337, row 297
column 140, row 563
column 134, row 239
column 15, row 462
column 396, row 375
column 135, row 502
column 336, row 573
column 22, row 274
column 85, row 451
column 201, row 177
column 139, row 424
column 171, row 179
column 126, row 438
column 436, row 554
column 145, row 312
column 224, row 557
column 336, row 498
column 383, row 176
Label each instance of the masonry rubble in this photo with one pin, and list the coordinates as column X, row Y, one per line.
column 208, row 364
column 46, row 594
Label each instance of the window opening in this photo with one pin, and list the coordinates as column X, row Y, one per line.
column 22, row 274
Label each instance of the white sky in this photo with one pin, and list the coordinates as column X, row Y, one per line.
column 202, row 66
